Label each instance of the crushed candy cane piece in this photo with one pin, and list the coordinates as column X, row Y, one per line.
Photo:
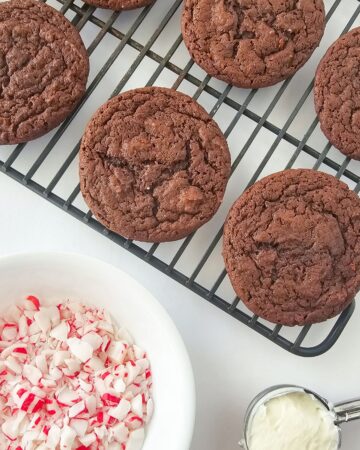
column 41, row 364
column 117, row 351
column 61, row 331
column 70, row 380
column 121, row 410
column 67, row 438
column 9, row 332
column 88, row 439
column 137, row 406
column 77, row 409
column 67, row 397
column 13, row 365
column 94, row 364
column 60, row 357
column 119, row 385
column 79, row 425
column 34, row 301
column 80, row 349
column 32, row 373
column 91, row 404
column 53, row 437
column 93, row 339
column 136, row 440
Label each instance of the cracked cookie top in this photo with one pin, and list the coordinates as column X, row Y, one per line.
column 43, row 69
column 118, row 5
column 337, row 94
column 252, row 43
column 292, row 247
column 153, row 165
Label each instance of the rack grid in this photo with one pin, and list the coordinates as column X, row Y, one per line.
column 268, row 130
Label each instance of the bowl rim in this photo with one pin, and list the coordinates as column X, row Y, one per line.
column 188, row 373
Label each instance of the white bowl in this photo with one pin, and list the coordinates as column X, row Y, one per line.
column 56, row 276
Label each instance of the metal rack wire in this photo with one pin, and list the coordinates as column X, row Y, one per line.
column 146, row 49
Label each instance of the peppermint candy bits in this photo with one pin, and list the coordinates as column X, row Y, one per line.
column 70, row 380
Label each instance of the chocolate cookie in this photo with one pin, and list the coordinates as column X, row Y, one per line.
column 337, row 94
column 252, row 43
column 153, row 165
column 43, row 69
column 292, row 247
column 118, row 5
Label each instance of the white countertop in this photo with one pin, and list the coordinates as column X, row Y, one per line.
column 231, row 362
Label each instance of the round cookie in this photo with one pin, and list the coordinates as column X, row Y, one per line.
column 252, row 43
column 292, row 247
column 337, row 94
column 153, row 165
column 43, row 69
column 118, row 5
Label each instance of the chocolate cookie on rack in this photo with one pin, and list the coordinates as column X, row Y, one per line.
column 252, row 43
column 292, row 247
column 118, row 5
column 337, row 94
column 153, row 165
column 44, row 68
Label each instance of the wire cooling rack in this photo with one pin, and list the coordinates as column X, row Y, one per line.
column 268, row 130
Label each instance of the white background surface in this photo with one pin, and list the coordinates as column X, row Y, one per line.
column 231, row 362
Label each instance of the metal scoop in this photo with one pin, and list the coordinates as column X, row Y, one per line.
column 341, row 412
